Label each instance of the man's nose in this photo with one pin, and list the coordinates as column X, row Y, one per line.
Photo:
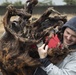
column 69, row 37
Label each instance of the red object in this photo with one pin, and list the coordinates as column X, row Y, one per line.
column 53, row 42
column 33, row 46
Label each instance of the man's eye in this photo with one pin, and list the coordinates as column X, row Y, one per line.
column 68, row 33
column 74, row 36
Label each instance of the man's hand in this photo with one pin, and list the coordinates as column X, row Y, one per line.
column 43, row 51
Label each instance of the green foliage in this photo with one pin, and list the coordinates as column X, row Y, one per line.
column 70, row 2
column 17, row 3
column 6, row 3
column 45, row 3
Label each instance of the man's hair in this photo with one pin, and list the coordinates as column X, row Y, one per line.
column 71, row 24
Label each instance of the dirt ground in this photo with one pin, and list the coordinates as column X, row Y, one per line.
column 1, row 26
column 69, row 16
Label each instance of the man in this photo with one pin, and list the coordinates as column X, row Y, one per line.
column 68, row 65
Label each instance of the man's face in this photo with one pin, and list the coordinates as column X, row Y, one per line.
column 69, row 37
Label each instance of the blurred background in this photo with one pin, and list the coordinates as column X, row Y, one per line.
column 67, row 7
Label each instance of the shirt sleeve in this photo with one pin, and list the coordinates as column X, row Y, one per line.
column 68, row 69
column 45, row 62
